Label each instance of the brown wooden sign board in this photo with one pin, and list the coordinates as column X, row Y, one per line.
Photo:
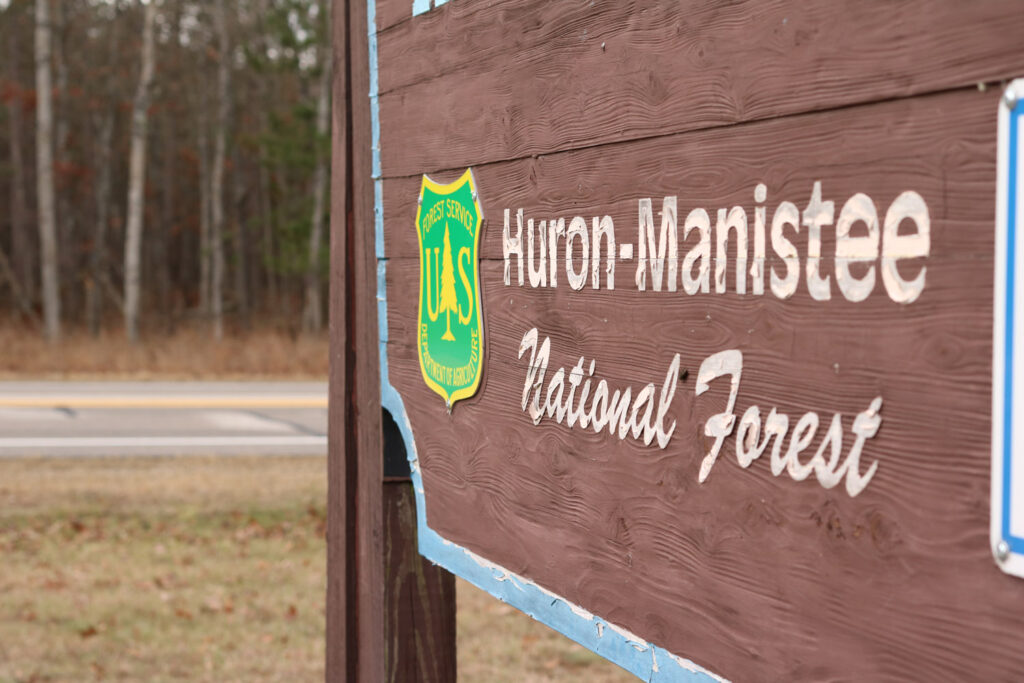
column 736, row 284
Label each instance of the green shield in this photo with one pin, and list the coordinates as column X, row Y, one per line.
column 450, row 338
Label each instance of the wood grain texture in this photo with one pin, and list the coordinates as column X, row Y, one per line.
column 390, row 613
column 419, row 599
column 475, row 82
column 941, row 146
column 752, row 576
column 362, row 346
column 392, row 12
column 342, row 647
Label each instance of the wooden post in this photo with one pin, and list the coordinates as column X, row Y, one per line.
column 419, row 599
column 390, row 613
column 342, row 642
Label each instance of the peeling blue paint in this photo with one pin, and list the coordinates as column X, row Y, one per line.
column 645, row 660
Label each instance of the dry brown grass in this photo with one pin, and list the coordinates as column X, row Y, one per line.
column 164, row 569
column 203, row 569
column 188, row 353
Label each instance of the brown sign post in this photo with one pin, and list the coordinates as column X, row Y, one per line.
column 683, row 313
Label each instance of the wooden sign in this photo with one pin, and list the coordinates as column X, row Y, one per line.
column 733, row 415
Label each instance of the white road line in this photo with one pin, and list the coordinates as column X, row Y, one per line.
column 160, row 441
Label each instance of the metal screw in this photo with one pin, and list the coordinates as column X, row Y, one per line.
column 1002, row 551
column 1010, row 98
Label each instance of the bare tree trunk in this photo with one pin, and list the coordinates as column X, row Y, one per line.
column 17, row 207
column 103, row 126
column 312, row 313
column 98, row 255
column 167, row 222
column 62, row 133
column 7, row 273
column 106, row 279
column 268, row 223
column 285, row 283
column 22, row 265
column 137, row 178
column 267, row 215
column 239, row 240
column 205, row 269
column 44, row 173
column 219, row 158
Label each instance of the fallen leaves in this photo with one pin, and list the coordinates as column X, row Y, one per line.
column 217, row 605
column 57, row 583
column 107, row 589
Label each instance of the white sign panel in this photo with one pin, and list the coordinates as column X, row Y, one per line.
column 1007, row 526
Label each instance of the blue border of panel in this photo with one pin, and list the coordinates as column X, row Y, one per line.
column 1016, row 543
column 645, row 660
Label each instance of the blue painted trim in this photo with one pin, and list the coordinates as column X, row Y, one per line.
column 1016, row 543
column 420, row 6
column 647, row 661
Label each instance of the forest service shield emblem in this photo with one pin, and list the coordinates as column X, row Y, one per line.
column 450, row 331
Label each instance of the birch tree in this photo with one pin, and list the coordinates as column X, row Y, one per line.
column 312, row 313
column 97, row 190
column 137, row 177
column 219, row 159
column 44, row 173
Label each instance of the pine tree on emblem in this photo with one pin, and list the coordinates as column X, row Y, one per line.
column 448, row 302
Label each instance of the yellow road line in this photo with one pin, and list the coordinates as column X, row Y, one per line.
column 162, row 402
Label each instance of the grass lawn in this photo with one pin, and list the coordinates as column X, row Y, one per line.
column 203, row 569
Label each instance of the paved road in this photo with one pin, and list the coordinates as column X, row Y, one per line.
column 162, row 418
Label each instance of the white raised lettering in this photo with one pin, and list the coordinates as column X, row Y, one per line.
column 896, row 247
column 858, row 209
column 512, row 246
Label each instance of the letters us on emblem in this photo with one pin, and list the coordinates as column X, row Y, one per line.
column 450, row 332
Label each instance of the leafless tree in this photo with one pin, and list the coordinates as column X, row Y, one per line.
column 19, row 279
column 237, row 126
column 137, row 177
column 219, row 161
column 312, row 314
column 44, row 173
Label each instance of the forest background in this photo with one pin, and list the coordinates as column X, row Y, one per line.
column 164, row 166
column 164, row 175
